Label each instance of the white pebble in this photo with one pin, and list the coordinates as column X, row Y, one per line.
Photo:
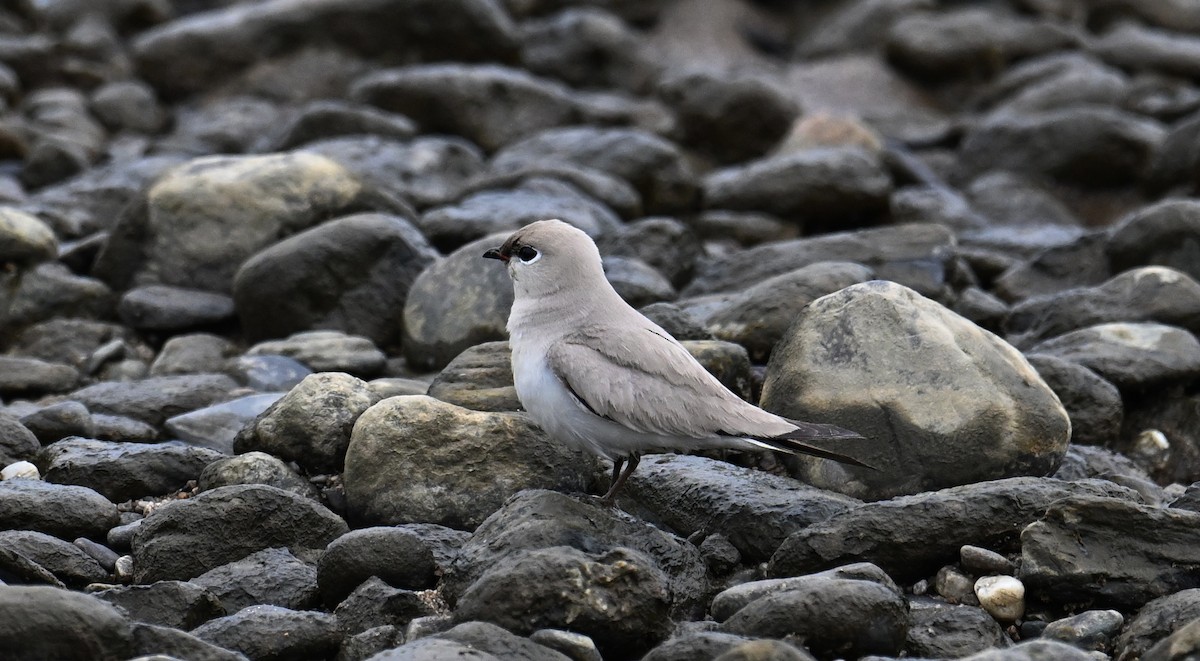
column 20, row 469
column 124, row 569
column 1001, row 596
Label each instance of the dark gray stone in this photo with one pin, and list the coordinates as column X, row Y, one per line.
column 193, row 353
column 121, row 471
column 273, row 632
column 494, row 640
column 733, row 599
column 271, row 576
column 1082, row 263
column 30, row 376
column 175, row 604
column 58, row 421
column 1089, row 630
column 1157, row 620
column 155, row 399
column 637, row 282
column 216, row 427
column 17, row 442
column 65, row 561
column 479, row 379
column 254, row 468
column 366, row 644
column 150, row 639
column 374, row 603
column 1094, row 405
column 1130, row 355
column 330, row 118
column 695, row 646
column 62, row 510
column 162, row 308
column 941, row 631
column 327, row 351
column 589, row 47
column 1141, row 48
column 1162, row 234
column 732, row 119
column 1034, row 650
column 267, row 373
column 127, row 105
column 38, row 623
column 398, row 557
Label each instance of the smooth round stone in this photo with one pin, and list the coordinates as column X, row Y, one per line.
column 1001, row 596
column 983, row 561
column 22, row 469
column 165, row 308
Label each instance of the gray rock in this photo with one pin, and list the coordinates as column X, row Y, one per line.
column 835, row 616
column 165, row 308
column 119, row 427
column 327, row 351
column 755, row 510
column 1151, row 293
column 150, row 639
column 856, row 26
column 690, row 646
column 637, row 282
column 492, row 211
column 588, row 47
column 194, row 353
column 461, row 99
column 254, row 468
column 775, row 650
column 50, row 290
column 63, row 560
column 24, row 239
column 731, row 119
column 434, row 649
column 1094, row 405
column 267, row 373
column 479, row 379
column 666, row 244
column 680, row 323
column 935, row 204
column 744, row 228
column 1067, row 145
column 396, row 556
column 211, row 214
column 969, row 42
column 1082, row 263
column 1156, row 621
column 854, row 358
column 29, row 376
column 274, row 632
column 1089, row 630
column 434, row 479
column 366, row 644
column 1086, row 461
column 456, row 304
column 153, row 400
column 350, row 274
column 311, row 424
column 1034, row 650
column 62, row 510
column 914, row 255
column 168, row 57
column 656, row 168
column 731, row 600
column 1130, row 355
column 1139, row 48
column 941, row 631
column 1109, row 551
column 176, row 604
column 217, row 426
column 38, row 623
column 374, row 603
column 445, row 543
column 271, row 576
column 986, row 514
column 58, row 421
column 217, row 527
column 575, row 646
column 1023, row 215
column 1057, row 80
column 63, row 137
column 492, row 639
column 985, row 309
column 330, row 118
column 127, row 105
column 537, row 519
column 758, row 316
column 983, row 561
column 1176, row 163
column 121, row 471
column 1160, row 234
column 607, row 189
column 822, row 189
column 619, row 598
column 16, row 441
column 1189, row 499
column 1182, row 644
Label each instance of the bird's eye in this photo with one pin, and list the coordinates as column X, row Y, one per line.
column 527, row 254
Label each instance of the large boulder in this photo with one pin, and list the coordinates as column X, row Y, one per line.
column 940, row 401
column 38, row 623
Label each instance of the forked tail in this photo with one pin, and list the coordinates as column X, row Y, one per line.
column 793, row 442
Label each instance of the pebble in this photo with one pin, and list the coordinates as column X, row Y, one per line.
column 1001, row 596
column 20, row 469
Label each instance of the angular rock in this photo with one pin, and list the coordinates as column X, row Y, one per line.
column 216, row 427
column 1161, row 234
column 414, row 459
column 311, row 424
column 1182, row 644
column 350, row 274
column 254, row 468
column 38, row 623
column 854, row 358
column 394, row 555
column 30, row 376
column 121, row 471
column 987, row 514
column 175, row 604
column 1093, row 404
column 385, row 639
column 63, row 560
column 271, row 576
column 217, row 527
column 273, row 632
column 150, row 640
column 327, row 351
column 165, row 308
column 61, row 510
column 374, row 603
column 445, row 543
column 479, row 379
column 1110, row 551
column 755, row 510
column 951, row 632
column 1157, row 620
column 731, row 119
column 154, row 399
column 1130, row 355
column 619, row 598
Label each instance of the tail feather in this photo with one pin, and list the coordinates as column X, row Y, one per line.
column 794, row 442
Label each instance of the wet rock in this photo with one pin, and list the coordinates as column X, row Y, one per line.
column 194, row 353
column 841, row 362
column 45, row 623
column 655, row 167
column 374, row 603
column 755, row 510
column 731, row 119
column 1160, row 234
column 1157, row 620
column 1130, row 355
column 16, row 441
column 217, row 527
column 951, row 632
column 350, row 274
column 434, row 479
column 822, row 189
column 152, row 641
column 460, row 99
column 1090, row 630
column 153, row 400
column 273, row 632
column 254, row 468
column 394, row 555
column 169, row 309
column 637, row 282
column 24, row 239
column 58, row 421
column 493, row 211
column 455, row 304
column 479, row 379
column 1071, row 554
column 176, row 604
column 915, row 255
column 311, row 424
column 62, row 510
column 588, row 47
column 1093, row 404
column 61, row 559
column 327, row 351
column 121, row 471
column 988, row 514
column 271, row 576
column 169, row 56
column 217, row 426
column 619, row 598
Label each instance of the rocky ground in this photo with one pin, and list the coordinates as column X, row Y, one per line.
column 256, row 394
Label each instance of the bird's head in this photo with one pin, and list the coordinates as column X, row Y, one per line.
column 547, row 256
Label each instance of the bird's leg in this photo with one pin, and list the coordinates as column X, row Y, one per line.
column 617, row 464
column 619, row 480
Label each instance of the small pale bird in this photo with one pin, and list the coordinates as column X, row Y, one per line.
column 595, row 373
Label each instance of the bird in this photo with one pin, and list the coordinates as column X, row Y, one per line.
column 597, row 375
